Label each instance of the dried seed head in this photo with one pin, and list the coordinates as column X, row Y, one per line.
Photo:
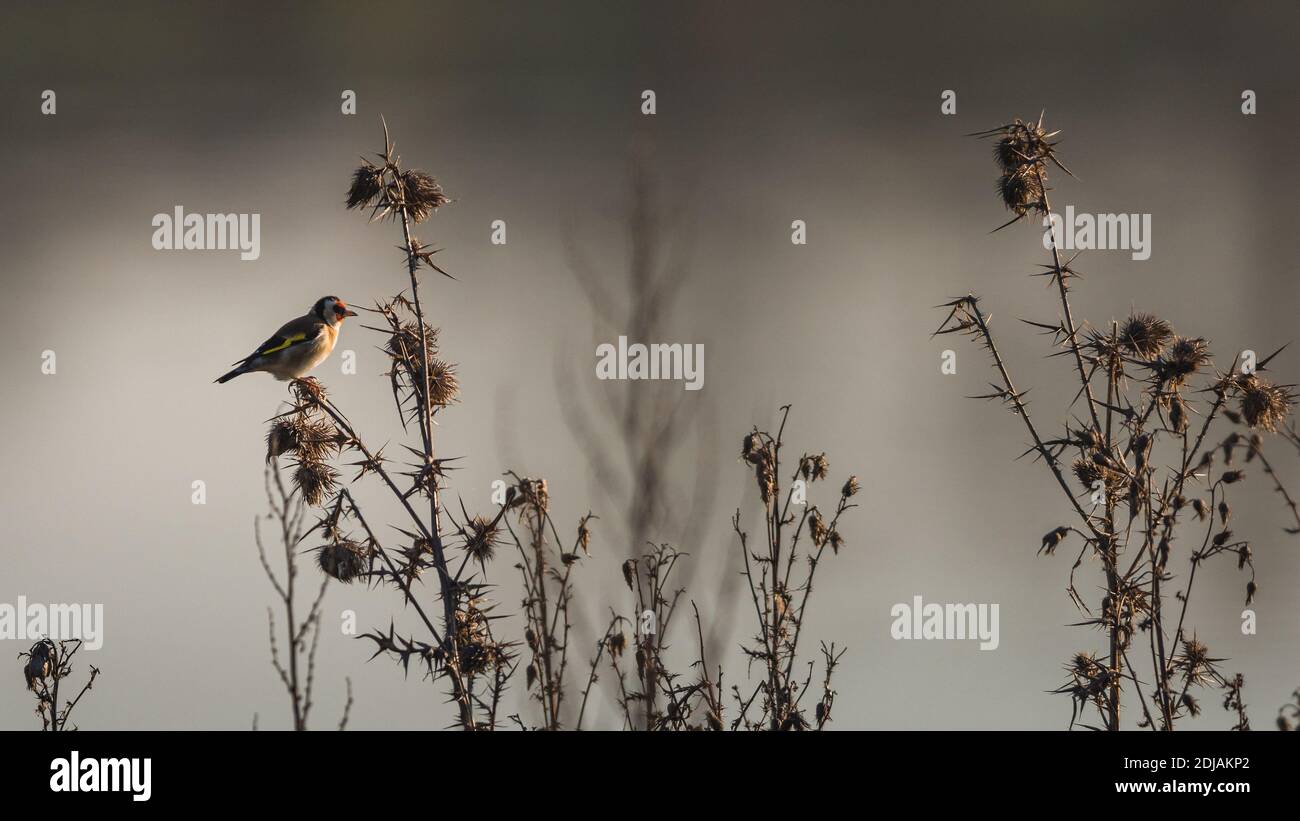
column 814, row 467
column 1263, row 405
column 1231, row 476
column 281, row 438
column 314, row 480
column 1020, row 193
column 1251, row 590
column 443, row 385
column 752, row 449
column 1198, row 505
column 344, row 560
column 1145, row 335
column 481, row 541
column 817, row 527
column 850, row 488
column 1184, row 358
column 836, row 541
column 1090, row 472
column 421, row 195
column 1022, row 145
column 367, row 183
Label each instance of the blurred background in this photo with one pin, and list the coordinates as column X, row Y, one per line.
column 530, row 113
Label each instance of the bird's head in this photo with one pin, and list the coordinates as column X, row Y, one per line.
column 331, row 310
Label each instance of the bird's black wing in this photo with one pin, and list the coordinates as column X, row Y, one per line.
column 282, row 341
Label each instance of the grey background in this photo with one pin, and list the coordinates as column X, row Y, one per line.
column 529, row 113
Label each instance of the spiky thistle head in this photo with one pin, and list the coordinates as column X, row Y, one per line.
column 343, row 560
column 1145, row 335
column 1262, row 404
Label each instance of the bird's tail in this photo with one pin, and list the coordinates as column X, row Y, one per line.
column 239, row 371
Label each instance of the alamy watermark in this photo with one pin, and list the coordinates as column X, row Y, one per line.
column 933, row 621
column 180, row 231
column 57, row 622
column 683, row 363
column 1099, row 232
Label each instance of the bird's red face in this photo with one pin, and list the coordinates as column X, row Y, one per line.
column 341, row 310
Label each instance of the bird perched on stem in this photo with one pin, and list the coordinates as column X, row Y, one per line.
column 299, row 346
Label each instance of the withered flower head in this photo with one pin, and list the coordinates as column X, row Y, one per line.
column 817, row 527
column 1263, row 405
column 752, row 448
column 850, row 487
column 309, row 392
column 1145, row 335
column 1020, row 192
column 443, row 385
column 813, row 468
column 312, row 440
column 482, row 539
column 1022, row 145
column 314, row 480
column 367, row 183
column 421, row 194
column 1089, row 472
column 1185, row 357
column 281, row 438
column 836, row 541
column 344, row 560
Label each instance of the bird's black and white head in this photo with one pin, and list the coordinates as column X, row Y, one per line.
column 331, row 310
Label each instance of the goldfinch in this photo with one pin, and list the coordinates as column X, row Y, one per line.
column 299, row 346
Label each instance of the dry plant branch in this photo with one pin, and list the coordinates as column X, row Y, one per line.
column 1141, row 465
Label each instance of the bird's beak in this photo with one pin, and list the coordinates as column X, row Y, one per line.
column 349, row 312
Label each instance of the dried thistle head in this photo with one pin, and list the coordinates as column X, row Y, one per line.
column 1020, row 193
column 1185, row 357
column 311, row 439
column 420, row 194
column 314, row 480
column 1089, row 472
column 850, row 488
column 443, row 385
column 815, row 467
column 1195, row 663
column 1145, row 335
column 481, row 539
column 1023, row 145
column 281, row 437
column 1262, row 404
column 343, row 560
column 309, row 392
column 367, row 185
